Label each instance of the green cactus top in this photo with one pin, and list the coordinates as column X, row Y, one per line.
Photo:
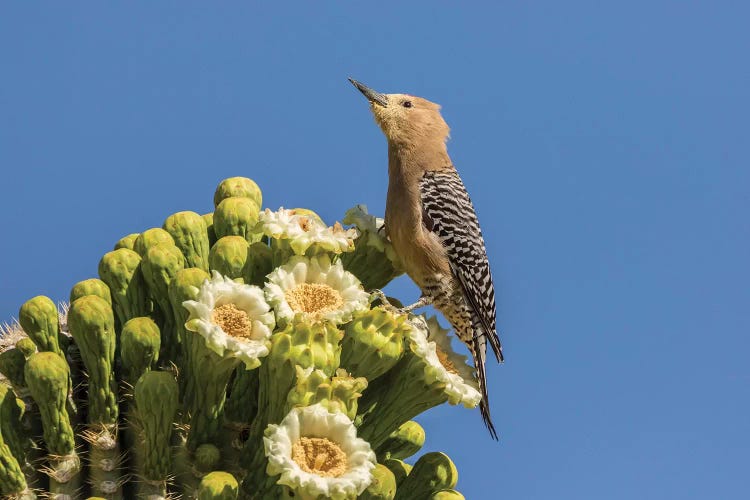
column 237, row 216
column 92, row 325
column 240, row 187
column 188, row 229
column 140, row 341
column 40, row 320
column 48, row 378
column 149, row 238
column 91, row 286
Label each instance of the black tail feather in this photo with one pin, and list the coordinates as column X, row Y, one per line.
column 484, row 405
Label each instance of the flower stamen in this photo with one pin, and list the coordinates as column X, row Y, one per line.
column 319, row 456
column 232, row 320
column 313, row 298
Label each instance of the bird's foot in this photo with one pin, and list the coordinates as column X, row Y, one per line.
column 384, row 302
column 423, row 301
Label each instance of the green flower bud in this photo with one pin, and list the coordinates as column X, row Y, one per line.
column 26, row 346
column 12, row 480
column 93, row 327
column 40, row 320
column 299, row 344
column 159, row 266
column 448, row 494
column 48, row 378
column 229, row 256
column 337, row 394
column 403, row 442
column 156, row 399
column 12, row 363
column 139, row 347
column 207, row 457
column 399, row 468
column 127, row 241
column 120, row 270
column 188, row 229
column 238, row 187
column 373, row 343
column 433, row 472
column 218, row 485
column 209, row 220
column 91, row 286
column 237, row 217
column 151, row 237
column 383, row 486
column 12, row 426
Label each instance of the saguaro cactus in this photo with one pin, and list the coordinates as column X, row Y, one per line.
column 252, row 359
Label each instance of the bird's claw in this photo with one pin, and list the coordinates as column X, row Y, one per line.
column 385, row 303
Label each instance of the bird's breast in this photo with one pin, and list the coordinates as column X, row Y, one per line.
column 420, row 250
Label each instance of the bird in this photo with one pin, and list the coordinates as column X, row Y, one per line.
column 431, row 223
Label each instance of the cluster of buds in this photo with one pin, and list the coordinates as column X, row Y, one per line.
column 238, row 354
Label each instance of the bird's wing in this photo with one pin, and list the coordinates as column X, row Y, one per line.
column 449, row 213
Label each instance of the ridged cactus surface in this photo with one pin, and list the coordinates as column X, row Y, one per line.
column 244, row 353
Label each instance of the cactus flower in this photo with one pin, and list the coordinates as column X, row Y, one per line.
column 426, row 376
column 304, row 233
column 443, row 365
column 318, row 454
column 234, row 319
column 316, row 289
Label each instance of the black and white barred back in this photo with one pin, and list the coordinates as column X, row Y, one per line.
column 470, row 308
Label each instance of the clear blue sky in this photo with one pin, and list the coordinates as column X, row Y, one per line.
column 605, row 149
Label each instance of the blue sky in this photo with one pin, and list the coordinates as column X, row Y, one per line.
column 605, row 148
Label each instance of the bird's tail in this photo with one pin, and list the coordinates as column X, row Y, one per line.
column 478, row 349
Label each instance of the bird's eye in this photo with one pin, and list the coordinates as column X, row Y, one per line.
column 406, row 104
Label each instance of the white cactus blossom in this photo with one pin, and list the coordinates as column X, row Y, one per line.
column 246, row 307
column 429, row 341
column 319, row 476
column 303, row 230
column 314, row 289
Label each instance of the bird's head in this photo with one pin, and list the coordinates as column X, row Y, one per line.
column 404, row 118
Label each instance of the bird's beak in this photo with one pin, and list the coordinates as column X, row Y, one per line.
column 372, row 96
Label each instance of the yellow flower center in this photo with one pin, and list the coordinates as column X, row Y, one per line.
column 445, row 361
column 319, row 456
column 233, row 321
column 313, row 298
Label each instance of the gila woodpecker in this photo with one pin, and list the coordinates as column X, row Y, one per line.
column 431, row 223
